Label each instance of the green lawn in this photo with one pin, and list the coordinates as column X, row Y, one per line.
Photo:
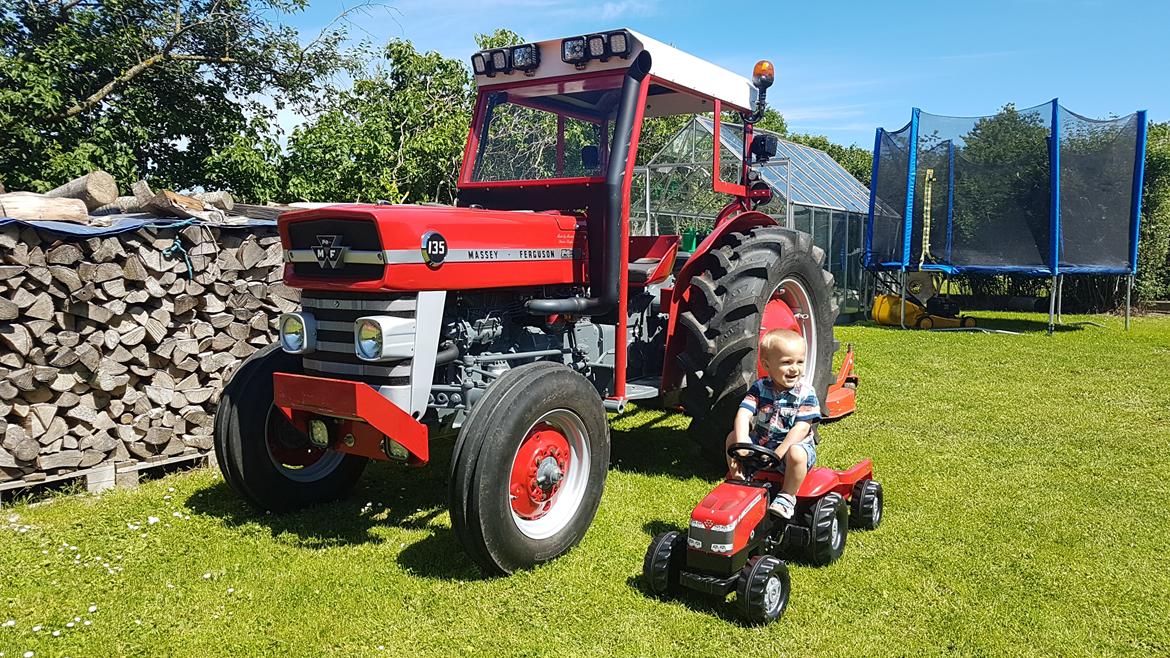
column 1026, row 501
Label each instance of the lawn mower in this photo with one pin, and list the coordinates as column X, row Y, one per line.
column 734, row 544
column 925, row 307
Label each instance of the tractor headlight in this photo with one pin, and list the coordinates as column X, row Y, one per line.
column 383, row 338
column 298, row 333
column 368, row 339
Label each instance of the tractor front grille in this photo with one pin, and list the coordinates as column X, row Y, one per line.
column 336, row 313
column 356, row 236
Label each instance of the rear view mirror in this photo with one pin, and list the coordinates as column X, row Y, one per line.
column 589, row 157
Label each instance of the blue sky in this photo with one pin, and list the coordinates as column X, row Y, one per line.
column 845, row 67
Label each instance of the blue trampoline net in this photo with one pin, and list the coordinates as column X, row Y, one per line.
column 1037, row 191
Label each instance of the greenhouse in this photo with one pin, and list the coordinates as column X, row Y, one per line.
column 812, row 193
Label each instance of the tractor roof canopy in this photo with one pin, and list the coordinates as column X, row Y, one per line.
column 688, row 83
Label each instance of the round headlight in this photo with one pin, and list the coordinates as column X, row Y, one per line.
column 292, row 333
column 369, row 339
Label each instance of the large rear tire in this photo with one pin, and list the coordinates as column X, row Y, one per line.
column 529, row 468
column 262, row 456
column 748, row 281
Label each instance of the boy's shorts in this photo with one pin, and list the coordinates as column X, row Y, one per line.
column 810, row 448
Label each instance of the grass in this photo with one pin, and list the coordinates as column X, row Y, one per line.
column 1026, row 515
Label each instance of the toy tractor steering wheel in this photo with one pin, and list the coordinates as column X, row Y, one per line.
column 755, row 456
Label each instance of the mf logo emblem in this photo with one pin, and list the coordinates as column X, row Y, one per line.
column 329, row 252
column 708, row 524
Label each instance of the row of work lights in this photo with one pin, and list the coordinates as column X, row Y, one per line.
column 574, row 50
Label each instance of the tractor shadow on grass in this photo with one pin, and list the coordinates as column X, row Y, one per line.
column 658, row 447
column 387, row 495
column 721, row 607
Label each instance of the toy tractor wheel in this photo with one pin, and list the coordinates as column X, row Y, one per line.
column 828, row 519
column 865, row 508
column 263, row 457
column 766, row 278
column 763, row 590
column 664, row 559
column 529, row 467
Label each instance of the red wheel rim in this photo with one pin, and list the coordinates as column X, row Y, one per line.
column 542, row 463
column 790, row 307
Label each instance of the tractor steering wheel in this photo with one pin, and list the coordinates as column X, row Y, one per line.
column 756, row 456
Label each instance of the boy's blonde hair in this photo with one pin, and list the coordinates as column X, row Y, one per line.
column 777, row 341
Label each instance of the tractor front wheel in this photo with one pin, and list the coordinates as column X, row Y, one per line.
column 529, row 467
column 263, row 457
column 663, row 562
column 763, row 590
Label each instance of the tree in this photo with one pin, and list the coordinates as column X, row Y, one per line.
column 1153, row 278
column 146, row 87
column 398, row 134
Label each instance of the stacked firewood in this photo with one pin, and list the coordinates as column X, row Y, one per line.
column 115, row 348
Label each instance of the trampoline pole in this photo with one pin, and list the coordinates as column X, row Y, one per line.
column 1060, row 299
column 902, row 288
column 1052, row 306
column 1128, row 293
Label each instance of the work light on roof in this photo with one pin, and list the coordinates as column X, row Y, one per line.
column 597, row 46
column 573, row 51
column 500, row 61
column 619, row 44
column 526, row 57
column 479, row 63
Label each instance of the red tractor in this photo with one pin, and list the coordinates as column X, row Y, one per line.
column 734, row 544
column 525, row 312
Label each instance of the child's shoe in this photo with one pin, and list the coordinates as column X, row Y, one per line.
column 783, row 505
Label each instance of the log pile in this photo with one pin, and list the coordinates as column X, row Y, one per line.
column 115, row 348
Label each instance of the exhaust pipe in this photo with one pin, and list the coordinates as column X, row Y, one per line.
column 611, row 254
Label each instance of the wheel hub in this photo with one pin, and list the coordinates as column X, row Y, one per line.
column 835, row 532
column 539, row 468
column 772, row 593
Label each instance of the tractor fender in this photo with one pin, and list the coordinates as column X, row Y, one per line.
column 733, row 218
column 822, row 481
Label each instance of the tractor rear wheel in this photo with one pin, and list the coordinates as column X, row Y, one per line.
column 263, row 457
column 828, row 521
column 865, row 506
column 529, row 467
column 766, row 278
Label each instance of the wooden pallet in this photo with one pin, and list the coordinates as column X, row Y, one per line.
column 107, row 476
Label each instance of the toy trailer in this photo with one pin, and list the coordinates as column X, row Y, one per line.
column 524, row 313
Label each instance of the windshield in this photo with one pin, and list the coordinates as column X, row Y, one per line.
column 546, row 131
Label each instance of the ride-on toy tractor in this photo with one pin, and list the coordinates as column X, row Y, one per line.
column 734, row 544
column 526, row 311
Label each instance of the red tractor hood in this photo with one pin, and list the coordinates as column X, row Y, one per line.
column 371, row 247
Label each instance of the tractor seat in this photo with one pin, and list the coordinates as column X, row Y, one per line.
column 641, row 269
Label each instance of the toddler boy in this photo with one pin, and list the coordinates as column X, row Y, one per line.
column 778, row 413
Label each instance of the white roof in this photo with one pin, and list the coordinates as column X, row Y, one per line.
column 667, row 63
